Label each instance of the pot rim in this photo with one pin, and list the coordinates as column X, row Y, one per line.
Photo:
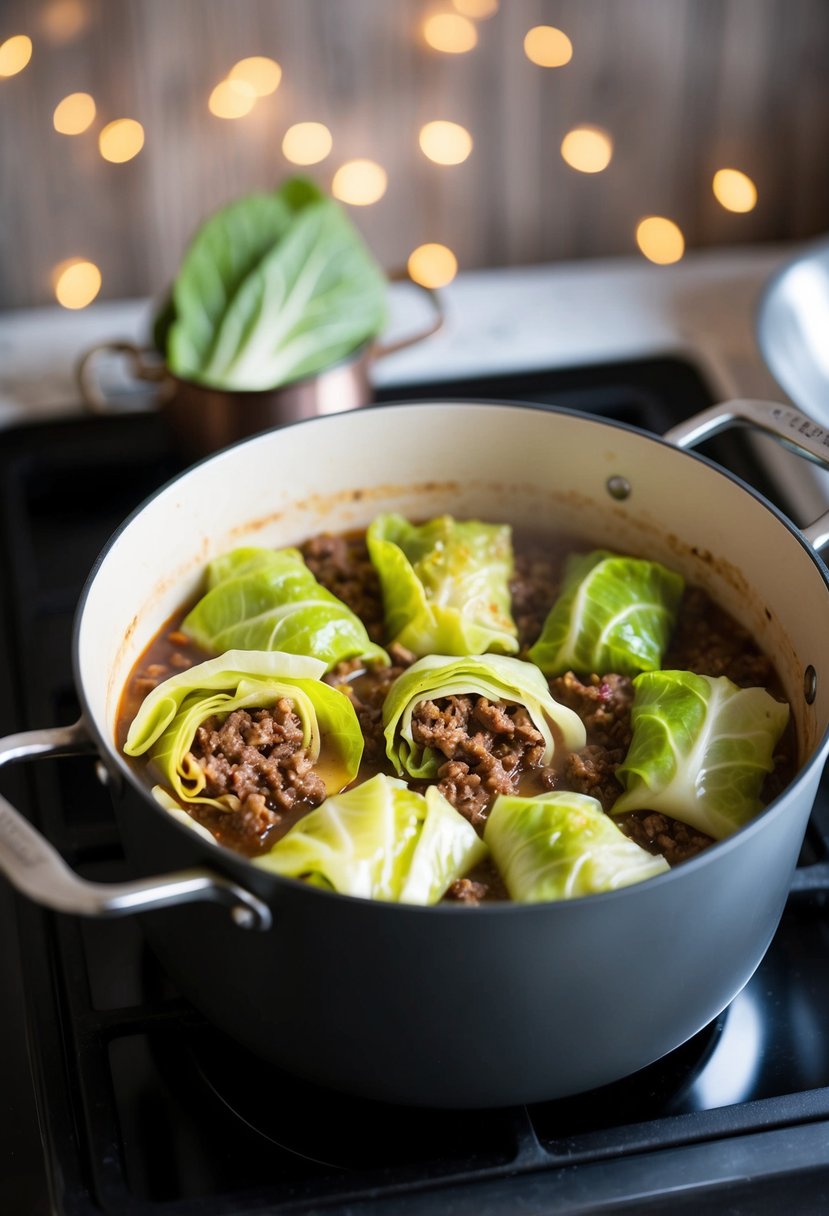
column 224, row 859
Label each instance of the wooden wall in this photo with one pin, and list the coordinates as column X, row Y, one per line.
column 684, row 87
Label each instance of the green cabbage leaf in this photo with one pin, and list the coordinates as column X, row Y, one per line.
column 700, row 751
column 613, row 614
column 266, row 599
column 445, row 584
column 165, row 726
column 380, row 840
column 494, row 676
column 562, row 845
column 273, row 288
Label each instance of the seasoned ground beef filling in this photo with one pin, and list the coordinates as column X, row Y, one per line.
column 258, row 757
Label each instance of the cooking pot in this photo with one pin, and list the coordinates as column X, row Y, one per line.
column 451, row 1006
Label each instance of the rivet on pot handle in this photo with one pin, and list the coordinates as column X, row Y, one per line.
column 36, row 869
column 796, row 431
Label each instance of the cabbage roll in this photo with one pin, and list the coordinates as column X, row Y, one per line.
column 380, row 840
column 499, row 678
column 165, row 726
column 445, row 584
column 266, row 599
column 613, row 614
column 700, row 751
column 562, row 845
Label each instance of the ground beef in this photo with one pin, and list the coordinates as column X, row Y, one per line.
column 710, row 642
column 367, row 691
column 487, row 746
column 602, row 702
column 257, row 756
column 342, row 564
column 533, row 588
column 660, row 834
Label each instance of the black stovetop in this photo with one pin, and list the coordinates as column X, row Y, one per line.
column 134, row 1105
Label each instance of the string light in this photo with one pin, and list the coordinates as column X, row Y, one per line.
column 359, row 182
column 262, row 74
column 232, row 99
column 15, row 53
column 77, row 283
column 446, row 143
column 63, row 20
column 547, row 46
column 307, row 143
column 588, row 149
column 432, row 265
column 74, row 114
column 450, row 33
column 479, row 10
column 734, row 190
column 121, row 140
column 660, row 240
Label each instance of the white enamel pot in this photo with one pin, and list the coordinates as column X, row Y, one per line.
column 452, row 1006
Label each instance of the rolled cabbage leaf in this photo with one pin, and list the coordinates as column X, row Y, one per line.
column 445, row 584
column 165, row 726
column 562, row 845
column 266, row 599
column 700, row 750
column 380, row 840
column 496, row 677
column 613, row 614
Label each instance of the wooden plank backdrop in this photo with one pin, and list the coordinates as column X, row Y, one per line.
column 683, row 86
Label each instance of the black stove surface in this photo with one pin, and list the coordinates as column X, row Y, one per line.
column 136, row 1106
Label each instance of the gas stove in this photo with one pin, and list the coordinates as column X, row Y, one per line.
column 119, row 1098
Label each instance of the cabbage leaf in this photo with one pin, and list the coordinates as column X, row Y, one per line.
column 380, row 840
column 165, row 726
column 445, row 584
column 700, row 751
column 613, row 614
column 266, row 599
column 562, row 845
column 273, row 288
column 496, row 677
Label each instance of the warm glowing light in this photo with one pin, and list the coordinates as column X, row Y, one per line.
column 15, row 53
column 359, row 182
column 432, row 265
column 63, row 20
column 77, row 283
column 74, row 114
column 231, row 99
column 734, row 190
column 306, row 143
column 450, row 33
column 548, row 47
column 477, row 9
column 262, row 74
column 587, row 149
column 660, row 240
column 446, row 143
column 121, row 140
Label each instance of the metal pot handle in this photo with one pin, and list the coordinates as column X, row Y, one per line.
column 144, row 364
column 796, row 431
column 380, row 349
column 36, row 869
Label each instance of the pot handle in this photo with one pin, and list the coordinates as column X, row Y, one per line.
column 36, row 869
column 380, row 349
column 796, row 431
column 144, row 364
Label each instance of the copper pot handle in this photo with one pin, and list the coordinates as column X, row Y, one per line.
column 380, row 349
column 141, row 366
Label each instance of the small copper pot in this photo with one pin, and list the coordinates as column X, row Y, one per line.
column 204, row 419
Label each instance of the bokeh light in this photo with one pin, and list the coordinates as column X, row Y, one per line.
column 76, row 282
column 307, row 143
column 734, row 190
column 121, row 140
column 15, row 53
column 450, row 33
column 479, row 10
column 446, row 143
column 548, row 47
column 74, row 114
column 63, row 20
column 660, row 240
column 432, row 265
column 359, row 182
column 262, row 74
column 232, row 99
column 588, row 149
